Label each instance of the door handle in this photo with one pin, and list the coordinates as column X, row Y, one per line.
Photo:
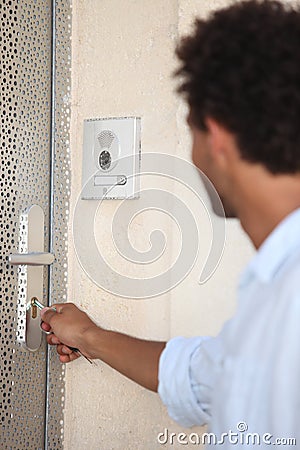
column 30, row 261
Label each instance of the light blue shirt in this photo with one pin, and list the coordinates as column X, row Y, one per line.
column 250, row 372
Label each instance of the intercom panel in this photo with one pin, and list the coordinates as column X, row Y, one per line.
column 111, row 158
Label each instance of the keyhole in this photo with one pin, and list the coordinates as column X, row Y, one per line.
column 34, row 309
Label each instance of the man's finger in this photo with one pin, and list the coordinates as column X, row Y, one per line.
column 45, row 326
column 53, row 340
column 47, row 314
column 63, row 350
column 68, row 358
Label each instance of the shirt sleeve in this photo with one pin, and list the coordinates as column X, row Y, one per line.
column 188, row 368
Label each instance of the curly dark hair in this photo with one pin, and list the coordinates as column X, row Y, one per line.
column 242, row 68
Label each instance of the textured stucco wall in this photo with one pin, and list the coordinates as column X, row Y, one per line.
column 122, row 61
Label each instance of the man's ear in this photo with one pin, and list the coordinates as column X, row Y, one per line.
column 220, row 140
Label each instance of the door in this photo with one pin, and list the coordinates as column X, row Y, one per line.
column 33, row 172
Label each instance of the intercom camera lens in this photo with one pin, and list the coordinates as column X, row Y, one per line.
column 105, row 160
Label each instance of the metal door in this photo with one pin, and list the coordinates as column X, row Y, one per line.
column 34, row 39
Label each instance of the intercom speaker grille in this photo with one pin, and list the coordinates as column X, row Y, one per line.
column 106, row 138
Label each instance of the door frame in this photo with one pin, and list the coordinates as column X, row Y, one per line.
column 59, row 206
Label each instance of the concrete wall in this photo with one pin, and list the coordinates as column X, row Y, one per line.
column 123, row 58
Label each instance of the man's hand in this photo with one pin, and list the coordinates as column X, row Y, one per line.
column 135, row 358
column 70, row 327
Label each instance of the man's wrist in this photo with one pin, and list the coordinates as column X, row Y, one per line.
column 91, row 341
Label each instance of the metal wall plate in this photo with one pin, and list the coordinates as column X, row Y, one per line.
column 30, row 260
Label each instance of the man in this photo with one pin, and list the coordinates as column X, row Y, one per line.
column 240, row 74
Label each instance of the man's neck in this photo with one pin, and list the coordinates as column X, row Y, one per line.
column 266, row 204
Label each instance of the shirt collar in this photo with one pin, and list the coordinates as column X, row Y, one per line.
column 275, row 250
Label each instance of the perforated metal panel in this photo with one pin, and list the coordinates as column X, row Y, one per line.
column 28, row 158
column 60, row 193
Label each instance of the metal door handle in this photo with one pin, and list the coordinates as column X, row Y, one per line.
column 31, row 259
